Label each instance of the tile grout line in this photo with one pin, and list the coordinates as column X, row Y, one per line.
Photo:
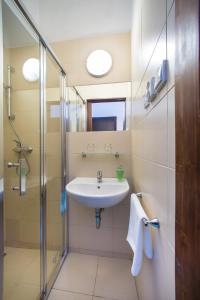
column 95, row 277
column 80, row 293
column 72, row 292
column 93, row 295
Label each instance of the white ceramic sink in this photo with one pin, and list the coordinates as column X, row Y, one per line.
column 87, row 191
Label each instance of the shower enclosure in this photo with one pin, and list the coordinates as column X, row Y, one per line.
column 33, row 116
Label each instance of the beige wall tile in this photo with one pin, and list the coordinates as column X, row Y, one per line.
column 73, row 60
column 159, row 54
column 54, row 236
column 53, row 188
column 121, row 215
column 136, row 47
column 96, row 239
column 151, row 135
column 53, row 211
column 29, row 126
column 31, row 209
column 153, row 153
column 170, row 268
column 74, row 237
column 153, row 20
column 151, row 179
column 75, row 211
column 146, row 28
column 120, row 245
column 171, row 208
column 12, row 231
column 26, row 100
column 171, row 43
column 13, row 206
column 153, row 272
column 29, row 232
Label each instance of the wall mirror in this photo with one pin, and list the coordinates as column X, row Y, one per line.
column 102, row 107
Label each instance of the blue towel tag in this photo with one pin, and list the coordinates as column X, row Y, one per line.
column 63, row 202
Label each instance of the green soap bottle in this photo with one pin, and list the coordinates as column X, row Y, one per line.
column 120, row 173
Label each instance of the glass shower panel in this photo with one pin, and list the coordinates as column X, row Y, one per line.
column 21, row 158
column 54, row 219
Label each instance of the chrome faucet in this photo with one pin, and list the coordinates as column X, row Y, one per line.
column 99, row 176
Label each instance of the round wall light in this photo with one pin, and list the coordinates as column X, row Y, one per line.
column 30, row 69
column 99, row 63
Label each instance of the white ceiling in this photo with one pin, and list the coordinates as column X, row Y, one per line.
column 72, row 19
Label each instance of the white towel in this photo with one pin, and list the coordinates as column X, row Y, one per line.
column 139, row 236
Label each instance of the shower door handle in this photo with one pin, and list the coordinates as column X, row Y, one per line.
column 22, row 176
column 21, row 166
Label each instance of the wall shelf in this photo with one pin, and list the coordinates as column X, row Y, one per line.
column 86, row 154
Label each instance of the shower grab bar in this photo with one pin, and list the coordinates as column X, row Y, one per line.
column 11, row 116
column 155, row 223
column 22, row 176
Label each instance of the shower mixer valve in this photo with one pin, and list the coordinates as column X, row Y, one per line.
column 22, row 148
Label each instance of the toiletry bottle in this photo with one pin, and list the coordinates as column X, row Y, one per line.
column 120, row 173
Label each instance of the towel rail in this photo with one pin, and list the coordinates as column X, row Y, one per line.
column 154, row 222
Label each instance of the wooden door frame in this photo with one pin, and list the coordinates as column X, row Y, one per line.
column 89, row 109
column 187, row 107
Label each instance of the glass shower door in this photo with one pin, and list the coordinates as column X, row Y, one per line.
column 32, row 190
column 53, row 168
column 21, row 278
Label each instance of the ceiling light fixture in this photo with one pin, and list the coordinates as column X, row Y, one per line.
column 30, row 69
column 99, row 63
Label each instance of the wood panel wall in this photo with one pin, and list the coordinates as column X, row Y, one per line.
column 187, row 151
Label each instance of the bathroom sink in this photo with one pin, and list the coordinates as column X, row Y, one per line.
column 89, row 192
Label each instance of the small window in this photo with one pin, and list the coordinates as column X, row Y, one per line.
column 106, row 114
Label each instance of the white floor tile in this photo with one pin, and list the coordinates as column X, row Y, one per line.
column 114, row 279
column 78, row 274
column 64, row 295
column 82, row 277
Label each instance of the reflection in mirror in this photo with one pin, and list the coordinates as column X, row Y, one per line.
column 103, row 107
